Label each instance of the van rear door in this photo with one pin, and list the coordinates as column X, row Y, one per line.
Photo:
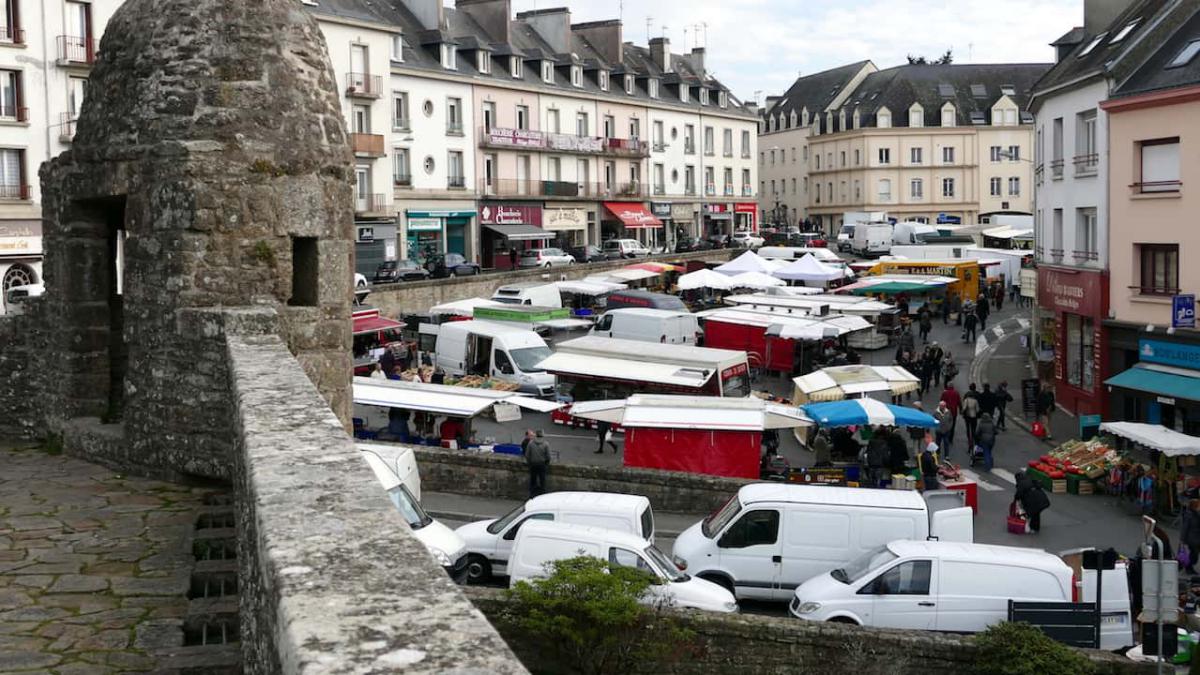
column 953, row 525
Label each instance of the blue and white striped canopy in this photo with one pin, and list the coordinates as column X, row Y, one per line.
column 860, row 411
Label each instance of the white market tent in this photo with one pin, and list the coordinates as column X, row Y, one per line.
column 704, row 278
column 1170, row 442
column 746, row 262
column 791, row 326
column 841, row 382
column 589, row 286
column 693, row 412
column 623, row 275
column 440, row 399
column 755, row 280
column 809, row 268
column 463, row 307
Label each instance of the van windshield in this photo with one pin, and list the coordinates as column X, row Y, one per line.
column 859, row 567
column 527, row 358
column 669, row 569
column 717, row 521
column 502, row 522
column 409, row 507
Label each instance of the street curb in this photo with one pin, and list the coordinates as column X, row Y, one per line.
column 979, row 367
column 472, row 517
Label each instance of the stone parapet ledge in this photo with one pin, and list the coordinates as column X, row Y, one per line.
column 331, row 578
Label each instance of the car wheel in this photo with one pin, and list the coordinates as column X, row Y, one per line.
column 479, row 569
column 720, row 580
column 475, row 270
column 571, row 261
column 453, row 274
column 843, row 619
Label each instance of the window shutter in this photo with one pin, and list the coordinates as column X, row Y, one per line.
column 1160, row 162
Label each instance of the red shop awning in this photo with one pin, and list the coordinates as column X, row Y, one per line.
column 632, row 214
column 374, row 324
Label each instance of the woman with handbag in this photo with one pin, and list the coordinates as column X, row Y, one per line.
column 1033, row 500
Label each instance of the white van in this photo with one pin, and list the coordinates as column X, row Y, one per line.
column 489, row 542
column 912, row 233
column 945, row 586
column 396, row 468
column 541, row 543
column 615, row 249
column 871, row 239
column 507, row 353
column 769, row 538
column 534, row 293
column 649, row 325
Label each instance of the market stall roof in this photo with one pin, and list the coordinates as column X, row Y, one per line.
column 840, row 382
column 1155, row 379
column 789, row 326
column 440, row 399
column 624, row 274
column 860, row 411
column 373, row 324
column 589, row 286
column 757, row 280
column 1170, row 442
column 632, row 215
column 656, row 267
column 896, row 283
column 521, row 232
column 464, row 307
column 703, row 278
column 693, row 412
column 746, row 262
column 809, row 268
column 1007, row 232
column 622, row 369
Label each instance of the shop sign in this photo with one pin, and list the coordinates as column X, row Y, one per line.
column 660, row 209
column 745, row 207
column 1183, row 311
column 1075, row 292
column 439, row 214
column 516, row 138
column 1165, row 400
column 424, row 224
column 716, row 208
column 1169, row 353
column 511, row 214
column 564, row 219
column 366, row 234
column 683, row 212
column 571, row 143
column 21, row 238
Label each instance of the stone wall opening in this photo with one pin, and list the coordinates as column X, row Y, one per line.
column 306, row 265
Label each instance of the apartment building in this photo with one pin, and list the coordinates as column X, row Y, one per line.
column 47, row 49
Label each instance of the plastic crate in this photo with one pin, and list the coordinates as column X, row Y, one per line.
column 1058, row 486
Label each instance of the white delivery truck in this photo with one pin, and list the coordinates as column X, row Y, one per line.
column 911, row 232
column 506, row 353
column 871, row 240
column 770, row 538
column 649, row 325
column 541, row 543
column 538, row 293
column 489, row 542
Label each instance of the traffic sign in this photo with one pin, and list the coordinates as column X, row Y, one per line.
column 1183, row 311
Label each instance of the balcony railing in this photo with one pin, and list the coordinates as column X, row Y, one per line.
column 74, row 50
column 747, row 190
column 659, row 146
column 1039, row 174
column 14, row 192
column 402, row 180
column 710, row 189
column 1156, row 186
column 1056, row 253
column 12, row 113
column 627, row 147
column 527, row 139
column 1082, row 256
column 689, row 147
column 367, row 145
column 709, row 152
column 401, row 124
column 660, row 190
column 1086, row 165
column 372, row 203
column 727, row 152
column 1056, row 169
column 746, row 154
column 11, row 35
column 363, row 85
column 728, row 190
column 66, row 127
column 511, row 187
column 689, row 189
column 456, row 182
column 454, row 128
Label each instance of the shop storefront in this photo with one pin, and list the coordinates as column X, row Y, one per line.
column 746, row 216
column 1072, row 304
column 631, row 220
column 509, row 228
column 718, row 219
column 569, row 223
column 374, row 242
column 1158, row 380
column 683, row 218
column 428, row 232
column 662, row 211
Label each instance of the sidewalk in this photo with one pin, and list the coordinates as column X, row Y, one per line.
column 463, row 508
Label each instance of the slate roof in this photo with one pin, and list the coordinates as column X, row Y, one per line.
column 815, row 91
column 1156, row 74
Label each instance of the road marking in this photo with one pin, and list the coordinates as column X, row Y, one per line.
column 984, row 485
column 1025, row 323
column 1005, row 476
column 981, row 344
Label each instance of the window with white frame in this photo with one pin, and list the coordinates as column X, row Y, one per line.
column 515, row 67
column 997, row 153
column 710, row 142
column 635, row 128
column 10, row 95
column 916, row 155
column 657, row 135
column 947, row 187
column 994, row 186
column 449, row 57
column 629, row 84
column 1159, row 165
column 576, row 76
column 1014, row 186
column 883, row 118
column 553, row 121
column 547, row 72
column 400, row 111
column 723, row 99
column 916, row 188
column 454, row 120
column 683, row 93
column 727, row 142
column 746, row 146
column 916, row 116
column 401, row 175
column 948, row 116
column 602, row 78
column 398, row 48
column 1085, row 234
column 522, row 117
column 483, row 61
column 652, row 87
column 948, row 155
column 12, row 174
column 885, row 190
column 703, row 96
column 885, row 155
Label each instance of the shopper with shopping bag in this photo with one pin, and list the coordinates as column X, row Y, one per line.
column 1033, row 500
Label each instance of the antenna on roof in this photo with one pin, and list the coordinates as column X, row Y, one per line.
column 705, row 25
column 649, row 25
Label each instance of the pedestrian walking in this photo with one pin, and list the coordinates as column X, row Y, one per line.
column 985, row 438
column 987, row 401
column 929, row 466
column 945, row 428
column 925, row 321
column 953, row 402
column 969, row 323
column 512, row 257
column 1033, row 500
column 1045, row 406
column 998, row 297
column 936, row 355
column 945, row 311
column 970, row 414
column 821, row 450
column 537, row 457
column 877, row 456
column 1003, row 398
column 1189, row 534
column 949, row 370
column 982, row 311
column 924, row 373
column 604, row 435
column 906, row 343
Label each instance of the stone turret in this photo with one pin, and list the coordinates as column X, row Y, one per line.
column 210, row 174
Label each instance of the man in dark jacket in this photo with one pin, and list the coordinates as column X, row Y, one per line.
column 985, row 437
column 982, row 311
column 969, row 323
column 987, row 401
column 537, row 457
column 604, row 435
column 1003, row 398
column 877, row 456
column 1033, row 500
column 897, row 452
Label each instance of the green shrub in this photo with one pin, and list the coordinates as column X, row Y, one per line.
column 1021, row 649
column 587, row 617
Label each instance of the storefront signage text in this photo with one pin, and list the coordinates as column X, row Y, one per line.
column 660, row 209
column 516, row 138
column 424, row 224
column 1074, row 292
column 683, row 212
column 1169, row 353
column 440, row 214
column 511, row 214
column 745, row 207
column 570, row 143
column 716, row 208
column 564, row 219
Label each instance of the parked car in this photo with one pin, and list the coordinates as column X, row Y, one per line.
column 586, row 254
column 747, row 239
column 391, row 271
column 718, row 240
column 451, row 265
column 689, row 244
column 812, row 240
column 545, row 257
column 615, row 249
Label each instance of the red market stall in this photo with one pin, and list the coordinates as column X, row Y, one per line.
column 373, row 334
column 773, row 340
column 694, row 434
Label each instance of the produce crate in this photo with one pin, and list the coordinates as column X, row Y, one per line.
column 1058, row 486
column 1079, row 485
column 1039, row 478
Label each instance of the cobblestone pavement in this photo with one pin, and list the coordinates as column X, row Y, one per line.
column 94, row 567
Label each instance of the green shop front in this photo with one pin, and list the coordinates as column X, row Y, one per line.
column 434, row 231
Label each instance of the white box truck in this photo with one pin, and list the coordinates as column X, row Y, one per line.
column 506, row 353
column 871, row 240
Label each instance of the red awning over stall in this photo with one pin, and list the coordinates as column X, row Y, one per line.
column 717, row 453
column 632, row 214
column 373, row 324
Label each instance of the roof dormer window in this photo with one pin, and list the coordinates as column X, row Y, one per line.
column 703, row 96
column 883, row 118
column 652, row 87
column 449, row 57
column 398, row 48
column 683, row 93
column 949, row 115
column 576, row 76
column 1092, row 45
column 1124, row 32
column 483, row 61
column 515, row 67
column 629, row 85
column 916, row 116
column 547, row 72
column 723, row 99
column 602, row 78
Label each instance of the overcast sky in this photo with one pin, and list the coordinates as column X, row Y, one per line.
column 761, row 45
